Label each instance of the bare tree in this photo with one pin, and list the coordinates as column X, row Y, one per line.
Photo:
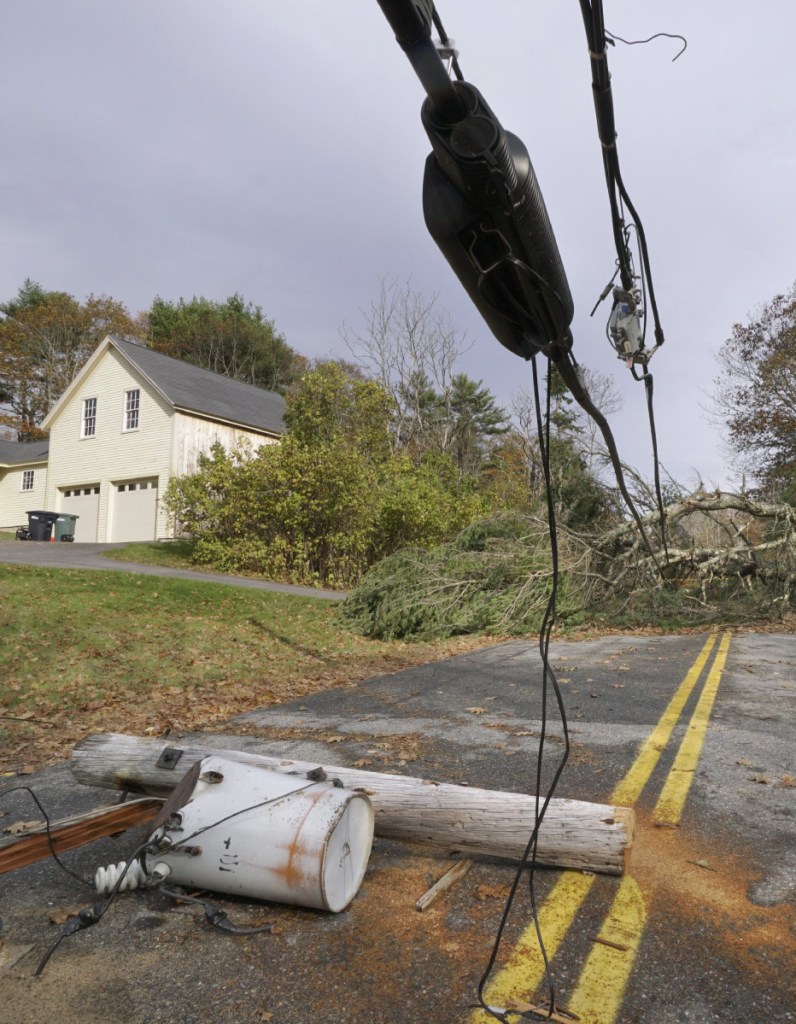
column 411, row 348
column 603, row 393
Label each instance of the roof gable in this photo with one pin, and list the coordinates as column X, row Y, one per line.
column 189, row 388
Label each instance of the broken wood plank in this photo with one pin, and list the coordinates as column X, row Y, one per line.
column 69, row 833
column 450, row 878
column 574, row 834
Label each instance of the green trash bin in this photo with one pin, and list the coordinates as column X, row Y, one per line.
column 65, row 526
column 40, row 524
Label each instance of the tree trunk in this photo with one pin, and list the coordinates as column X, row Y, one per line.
column 574, row 834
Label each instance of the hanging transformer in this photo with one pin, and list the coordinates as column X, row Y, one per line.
column 625, row 328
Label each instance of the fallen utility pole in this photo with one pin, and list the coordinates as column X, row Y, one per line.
column 484, row 822
column 67, row 834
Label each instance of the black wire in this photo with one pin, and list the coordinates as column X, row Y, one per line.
column 593, row 20
column 47, row 826
column 529, row 857
column 446, row 41
column 596, row 34
column 658, row 35
column 215, row 915
column 242, row 810
column 648, row 387
column 91, row 916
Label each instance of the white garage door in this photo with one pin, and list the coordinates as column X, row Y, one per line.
column 134, row 510
column 84, row 503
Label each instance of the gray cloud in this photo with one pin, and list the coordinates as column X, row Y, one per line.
column 187, row 147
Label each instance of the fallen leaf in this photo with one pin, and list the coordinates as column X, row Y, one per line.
column 361, row 762
column 759, row 778
column 22, row 826
column 62, row 916
column 491, row 892
column 266, row 1015
column 476, row 711
column 744, row 762
column 788, row 780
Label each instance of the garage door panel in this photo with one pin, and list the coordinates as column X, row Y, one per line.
column 83, row 502
column 134, row 510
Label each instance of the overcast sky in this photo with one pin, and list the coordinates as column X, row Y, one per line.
column 189, row 147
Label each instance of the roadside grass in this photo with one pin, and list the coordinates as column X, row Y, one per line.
column 84, row 651
column 176, row 554
column 5, row 535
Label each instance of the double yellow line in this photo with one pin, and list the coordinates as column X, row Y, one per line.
column 601, row 986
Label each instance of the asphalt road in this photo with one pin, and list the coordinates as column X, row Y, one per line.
column 698, row 735
column 92, row 556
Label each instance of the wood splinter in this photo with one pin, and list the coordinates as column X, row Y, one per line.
column 607, row 942
column 449, row 879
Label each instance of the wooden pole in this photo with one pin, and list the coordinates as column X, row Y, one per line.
column 484, row 822
column 69, row 833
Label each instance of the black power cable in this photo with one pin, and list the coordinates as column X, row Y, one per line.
column 597, row 37
column 549, row 680
column 483, row 207
column 47, row 827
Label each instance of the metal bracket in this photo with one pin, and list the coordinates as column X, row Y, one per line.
column 169, row 757
column 447, row 52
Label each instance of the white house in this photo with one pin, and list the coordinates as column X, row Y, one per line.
column 129, row 421
column 23, row 480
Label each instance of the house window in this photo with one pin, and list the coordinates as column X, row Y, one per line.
column 27, row 479
column 89, row 423
column 132, row 404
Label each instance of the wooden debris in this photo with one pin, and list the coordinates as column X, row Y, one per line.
column 559, row 1014
column 450, row 878
column 607, row 942
column 20, row 850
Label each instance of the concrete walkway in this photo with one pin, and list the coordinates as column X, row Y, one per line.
column 92, row 556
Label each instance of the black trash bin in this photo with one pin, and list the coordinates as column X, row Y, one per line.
column 40, row 524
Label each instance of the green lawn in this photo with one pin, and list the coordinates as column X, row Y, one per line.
column 84, row 651
column 176, row 554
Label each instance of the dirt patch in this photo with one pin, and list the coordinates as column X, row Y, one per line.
column 708, row 883
column 155, row 963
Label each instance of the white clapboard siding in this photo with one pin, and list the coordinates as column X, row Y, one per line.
column 16, row 503
column 194, row 435
column 113, row 453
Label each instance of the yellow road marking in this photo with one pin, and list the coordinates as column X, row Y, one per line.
column 524, row 969
column 670, row 803
column 629, row 789
column 604, row 978
column 523, row 972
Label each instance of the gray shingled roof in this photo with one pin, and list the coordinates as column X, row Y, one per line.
column 192, row 389
column 17, row 453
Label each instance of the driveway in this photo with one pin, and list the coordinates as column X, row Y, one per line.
column 697, row 733
column 92, row 556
